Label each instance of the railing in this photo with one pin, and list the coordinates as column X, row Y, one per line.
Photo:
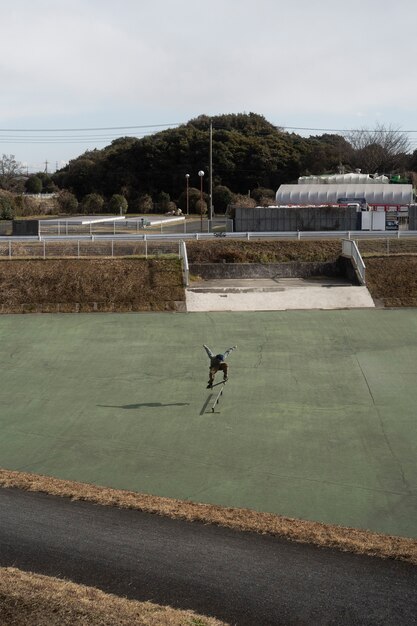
column 350, row 249
column 185, row 266
column 249, row 236
column 18, row 247
column 145, row 244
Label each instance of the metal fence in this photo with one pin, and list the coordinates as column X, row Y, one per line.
column 77, row 248
column 387, row 246
column 62, row 227
column 369, row 243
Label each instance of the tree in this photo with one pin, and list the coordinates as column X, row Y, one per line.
column 92, row 203
column 222, row 197
column 163, row 202
column 263, row 196
column 193, row 198
column 144, row 203
column 118, row 204
column 322, row 154
column 67, row 202
column 201, row 207
column 10, row 170
column 33, row 184
column 382, row 150
column 48, row 185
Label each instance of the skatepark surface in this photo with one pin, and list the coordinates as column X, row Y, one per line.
column 317, row 420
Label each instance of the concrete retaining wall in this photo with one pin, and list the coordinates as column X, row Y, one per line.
column 24, row 228
column 412, row 217
column 295, row 269
column 280, row 219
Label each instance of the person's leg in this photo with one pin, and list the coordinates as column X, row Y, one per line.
column 224, row 368
column 212, row 374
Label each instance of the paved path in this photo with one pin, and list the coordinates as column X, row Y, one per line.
column 276, row 295
column 242, row 578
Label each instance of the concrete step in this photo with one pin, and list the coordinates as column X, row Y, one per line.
column 279, row 295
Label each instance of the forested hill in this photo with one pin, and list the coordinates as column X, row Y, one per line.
column 248, row 153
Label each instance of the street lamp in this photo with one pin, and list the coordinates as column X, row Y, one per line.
column 201, row 174
column 187, row 178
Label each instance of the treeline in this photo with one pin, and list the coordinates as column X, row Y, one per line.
column 250, row 157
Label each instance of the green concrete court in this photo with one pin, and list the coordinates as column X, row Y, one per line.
column 318, row 419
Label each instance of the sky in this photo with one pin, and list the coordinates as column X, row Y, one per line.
column 76, row 75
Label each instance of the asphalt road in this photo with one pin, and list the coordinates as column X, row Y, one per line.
column 242, row 578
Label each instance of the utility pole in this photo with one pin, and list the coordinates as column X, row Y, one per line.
column 46, row 166
column 211, row 173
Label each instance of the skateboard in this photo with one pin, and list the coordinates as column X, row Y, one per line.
column 222, row 382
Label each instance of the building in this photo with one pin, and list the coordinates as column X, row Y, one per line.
column 375, row 196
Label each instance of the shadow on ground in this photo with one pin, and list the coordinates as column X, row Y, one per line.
column 142, row 404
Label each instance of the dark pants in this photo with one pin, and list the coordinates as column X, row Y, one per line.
column 213, row 371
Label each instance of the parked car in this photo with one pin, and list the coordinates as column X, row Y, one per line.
column 391, row 225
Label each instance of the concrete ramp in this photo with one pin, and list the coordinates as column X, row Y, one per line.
column 276, row 294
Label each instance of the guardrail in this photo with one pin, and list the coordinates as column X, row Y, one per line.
column 350, row 250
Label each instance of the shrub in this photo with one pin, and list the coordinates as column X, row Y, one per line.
column 92, row 203
column 222, row 197
column 117, row 204
column 67, row 202
column 7, row 209
column 33, row 184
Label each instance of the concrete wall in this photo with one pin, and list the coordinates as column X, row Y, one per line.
column 25, row 228
column 295, row 269
column 412, row 217
column 5, row 227
column 279, row 219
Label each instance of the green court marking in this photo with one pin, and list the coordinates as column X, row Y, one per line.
column 318, row 419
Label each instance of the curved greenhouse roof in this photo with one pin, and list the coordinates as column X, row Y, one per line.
column 342, row 179
column 312, row 194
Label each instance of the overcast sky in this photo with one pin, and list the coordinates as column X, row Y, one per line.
column 106, row 63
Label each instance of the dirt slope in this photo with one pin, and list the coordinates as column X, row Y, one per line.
column 72, row 285
column 392, row 280
column 137, row 284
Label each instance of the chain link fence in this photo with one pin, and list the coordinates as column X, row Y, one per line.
column 88, row 248
column 386, row 246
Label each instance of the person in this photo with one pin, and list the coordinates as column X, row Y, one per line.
column 217, row 363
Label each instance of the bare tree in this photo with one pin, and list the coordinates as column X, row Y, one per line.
column 384, row 149
column 10, row 170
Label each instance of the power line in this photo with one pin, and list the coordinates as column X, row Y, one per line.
column 71, row 130
column 349, row 130
column 171, row 124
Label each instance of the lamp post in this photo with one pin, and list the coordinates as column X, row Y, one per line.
column 187, row 178
column 201, row 174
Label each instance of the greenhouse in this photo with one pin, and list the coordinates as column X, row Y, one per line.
column 374, row 195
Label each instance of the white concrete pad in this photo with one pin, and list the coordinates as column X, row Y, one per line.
column 293, row 294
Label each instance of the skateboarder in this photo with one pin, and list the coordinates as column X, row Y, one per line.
column 217, row 362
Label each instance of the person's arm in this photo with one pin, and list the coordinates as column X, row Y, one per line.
column 209, row 352
column 228, row 351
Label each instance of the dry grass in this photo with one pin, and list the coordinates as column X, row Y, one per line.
column 83, row 285
column 37, row 600
column 238, row 251
column 324, row 535
column 392, row 280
